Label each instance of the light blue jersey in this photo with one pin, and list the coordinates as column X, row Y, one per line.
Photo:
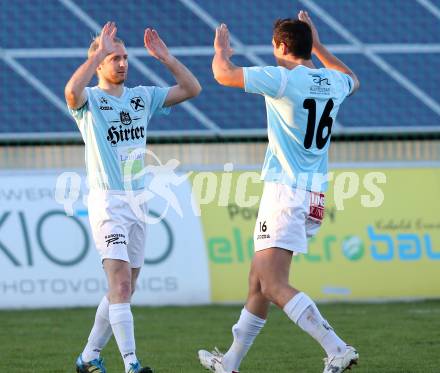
column 301, row 105
column 114, row 130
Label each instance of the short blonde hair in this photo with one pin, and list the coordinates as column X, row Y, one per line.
column 95, row 44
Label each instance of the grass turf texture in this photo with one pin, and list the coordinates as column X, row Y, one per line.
column 391, row 338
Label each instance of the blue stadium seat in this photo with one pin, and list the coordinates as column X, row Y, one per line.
column 381, row 103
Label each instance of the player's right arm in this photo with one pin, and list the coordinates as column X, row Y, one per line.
column 225, row 72
column 75, row 88
column 266, row 80
column 328, row 59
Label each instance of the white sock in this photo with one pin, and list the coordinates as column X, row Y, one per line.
column 121, row 320
column 303, row 311
column 100, row 334
column 244, row 331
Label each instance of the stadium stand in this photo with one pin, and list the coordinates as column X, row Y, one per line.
column 42, row 41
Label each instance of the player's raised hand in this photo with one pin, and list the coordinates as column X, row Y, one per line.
column 155, row 45
column 106, row 39
column 304, row 16
column 222, row 42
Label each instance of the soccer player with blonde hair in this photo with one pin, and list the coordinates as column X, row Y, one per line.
column 113, row 121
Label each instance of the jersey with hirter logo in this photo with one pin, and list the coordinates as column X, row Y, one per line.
column 114, row 130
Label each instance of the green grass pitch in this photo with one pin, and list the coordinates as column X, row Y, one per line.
column 390, row 337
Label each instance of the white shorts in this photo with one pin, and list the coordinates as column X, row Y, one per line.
column 117, row 231
column 287, row 218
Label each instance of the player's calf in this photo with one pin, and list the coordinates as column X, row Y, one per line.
column 303, row 311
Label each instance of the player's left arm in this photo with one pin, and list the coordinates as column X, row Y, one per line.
column 329, row 60
column 187, row 84
column 225, row 72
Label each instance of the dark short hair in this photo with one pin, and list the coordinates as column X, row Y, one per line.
column 296, row 35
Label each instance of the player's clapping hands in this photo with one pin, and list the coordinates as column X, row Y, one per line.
column 222, row 43
column 106, row 39
column 155, row 45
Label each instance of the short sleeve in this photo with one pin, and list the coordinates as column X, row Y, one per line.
column 79, row 113
column 158, row 96
column 269, row 81
column 347, row 84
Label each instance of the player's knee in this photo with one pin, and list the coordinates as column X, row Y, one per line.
column 254, row 284
column 123, row 289
column 269, row 290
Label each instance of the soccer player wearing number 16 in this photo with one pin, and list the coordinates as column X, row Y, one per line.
column 302, row 102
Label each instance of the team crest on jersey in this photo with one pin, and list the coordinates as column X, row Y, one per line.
column 125, row 117
column 321, row 85
column 137, row 103
column 317, row 79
